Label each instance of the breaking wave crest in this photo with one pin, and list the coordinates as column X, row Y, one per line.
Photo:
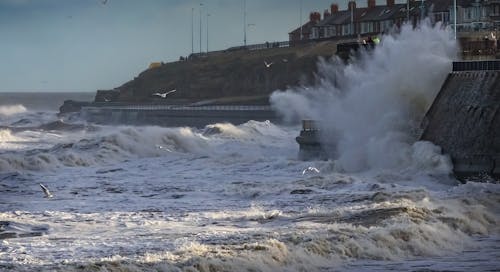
column 402, row 226
column 11, row 110
column 114, row 144
column 369, row 110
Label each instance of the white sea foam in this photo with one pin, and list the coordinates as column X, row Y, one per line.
column 8, row 110
column 114, row 144
column 370, row 108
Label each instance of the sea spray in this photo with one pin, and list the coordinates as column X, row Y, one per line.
column 370, row 108
column 7, row 110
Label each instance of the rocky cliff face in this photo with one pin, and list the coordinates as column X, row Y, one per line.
column 224, row 74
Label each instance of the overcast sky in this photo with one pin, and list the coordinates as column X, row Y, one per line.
column 85, row 45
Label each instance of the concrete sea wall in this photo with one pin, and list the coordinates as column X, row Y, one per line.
column 175, row 116
column 465, row 118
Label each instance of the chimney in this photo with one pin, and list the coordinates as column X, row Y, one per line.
column 335, row 8
column 315, row 16
column 318, row 16
column 371, row 4
column 326, row 13
column 352, row 5
column 390, row 3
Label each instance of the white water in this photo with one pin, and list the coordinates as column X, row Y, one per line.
column 233, row 198
column 370, row 109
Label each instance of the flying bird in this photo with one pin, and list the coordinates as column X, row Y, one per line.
column 268, row 64
column 106, row 100
column 164, row 95
column 104, row 2
column 46, row 191
column 285, row 60
column 310, row 169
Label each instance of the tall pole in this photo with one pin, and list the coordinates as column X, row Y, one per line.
column 407, row 11
column 208, row 15
column 421, row 10
column 201, row 5
column 455, row 17
column 245, row 22
column 301, row 35
column 192, row 30
column 352, row 18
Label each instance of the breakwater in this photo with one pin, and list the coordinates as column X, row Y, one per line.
column 175, row 115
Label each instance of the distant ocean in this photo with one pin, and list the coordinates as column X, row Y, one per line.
column 43, row 100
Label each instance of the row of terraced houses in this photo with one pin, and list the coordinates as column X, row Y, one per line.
column 472, row 15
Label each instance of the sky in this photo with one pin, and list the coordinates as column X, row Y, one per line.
column 89, row 45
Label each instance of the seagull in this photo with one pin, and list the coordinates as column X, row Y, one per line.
column 104, row 2
column 268, row 64
column 164, row 95
column 46, row 191
column 285, row 60
column 106, row 100
column 310, row 169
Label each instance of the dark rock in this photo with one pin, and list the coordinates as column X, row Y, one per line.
column 73, row 106
column 301, row 191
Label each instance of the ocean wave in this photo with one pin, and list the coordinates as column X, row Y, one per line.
column 8, row 110
column 369, row 110
column 105, row 145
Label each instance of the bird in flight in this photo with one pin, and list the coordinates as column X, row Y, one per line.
column 285, row 60
column 46, row 191
column 164, row 95
column 310, row 169
column 106, row 100
column 104, row 2
column 268, row 64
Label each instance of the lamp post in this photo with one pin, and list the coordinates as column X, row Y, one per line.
column 201, row 5
column 300, row 18
column 352, row 17
column 408, row 11
column 245, row 23
column 208, row 15
column 455, row 17
column 192, row 30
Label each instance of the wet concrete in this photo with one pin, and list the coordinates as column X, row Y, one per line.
column 465, row 119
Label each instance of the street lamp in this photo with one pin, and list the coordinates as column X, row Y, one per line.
column 300, row 17
column 192, row 30
column 245, row 22
column 208, row 15
column 455, row 17
column 201, row 5
column 407, row 11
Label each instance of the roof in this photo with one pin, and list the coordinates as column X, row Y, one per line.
column 336, row 18
column 440, row 5
column 305, row 28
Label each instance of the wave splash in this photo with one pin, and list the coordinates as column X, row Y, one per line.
column 107, row 145
column 371, row 108
column 8, row 110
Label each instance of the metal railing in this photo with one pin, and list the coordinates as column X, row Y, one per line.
column 487, row 65
column 182, row 108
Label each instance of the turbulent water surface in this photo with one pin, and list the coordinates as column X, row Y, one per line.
column 235, row 198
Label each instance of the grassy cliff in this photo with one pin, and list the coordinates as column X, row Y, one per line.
column 226, row 77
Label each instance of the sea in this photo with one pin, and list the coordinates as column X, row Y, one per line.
column 236, row 197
